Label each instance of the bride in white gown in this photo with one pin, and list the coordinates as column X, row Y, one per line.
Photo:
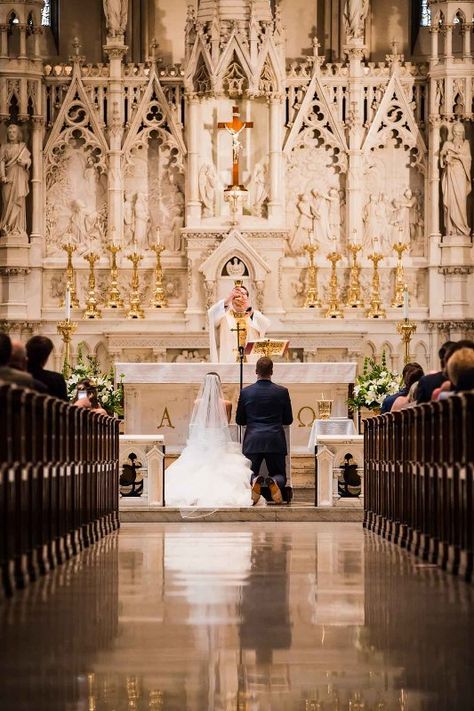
column 211, row 470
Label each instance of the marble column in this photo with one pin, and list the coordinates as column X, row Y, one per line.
column 115, row 49
column 355, row 194
column 193, row 125
column 37, row 220
column 275, row 205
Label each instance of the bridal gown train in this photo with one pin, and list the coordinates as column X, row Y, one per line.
column 211, row 472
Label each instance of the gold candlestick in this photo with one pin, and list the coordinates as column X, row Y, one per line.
column 375, row 309
column 159, row 297
column 312, row 300
column 91, row 303
column 70, row 276
column 354, row 299
column 400, row 285
column 66, row 328
column 114, row 300
column 406, row 329
column 334, row 310
column 135, row 310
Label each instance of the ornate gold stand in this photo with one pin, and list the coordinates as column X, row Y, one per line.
column 135, row 310
column 312, row 300
column 354, row 299
column 91, row 303
column 375, row 309
column 70, row 276
column 114, row 300
column 159, row 297
column 406, row 329
column 400, row 285
column 334, row 310
column 66, row 329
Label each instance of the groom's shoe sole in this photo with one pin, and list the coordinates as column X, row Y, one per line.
column 257, row 489
column 275, row 492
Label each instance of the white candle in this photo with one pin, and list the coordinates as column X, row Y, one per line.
column 355, row 237
column 157, row 235
column 68, row 303
column 405, row 304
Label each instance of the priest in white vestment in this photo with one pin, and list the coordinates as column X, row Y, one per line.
column 223, row 319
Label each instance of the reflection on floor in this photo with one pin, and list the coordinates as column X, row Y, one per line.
column 233, row 617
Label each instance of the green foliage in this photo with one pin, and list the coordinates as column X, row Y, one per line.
column 375, row 383
column 109, row 395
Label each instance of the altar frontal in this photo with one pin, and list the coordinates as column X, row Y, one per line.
column 159, row 397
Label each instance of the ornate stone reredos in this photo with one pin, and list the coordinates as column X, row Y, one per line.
column 26, row 12
column 234, row 10
column 234, row 47
column 445, row 11
column 234, row 245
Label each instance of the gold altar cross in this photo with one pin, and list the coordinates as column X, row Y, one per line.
column 235, row 128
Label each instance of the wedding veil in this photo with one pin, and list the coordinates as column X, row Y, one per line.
column 208, row 424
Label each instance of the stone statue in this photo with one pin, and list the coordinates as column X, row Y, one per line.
column 208, row 181
column 259, row 189
column 304, row 225
column 455, row 161
column 15, row 162
column 128, row 218
column 355, row 13
column 142, row 219
column 320, row 209
column 116, row 12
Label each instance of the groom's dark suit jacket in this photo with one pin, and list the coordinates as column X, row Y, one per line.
column 264, row 408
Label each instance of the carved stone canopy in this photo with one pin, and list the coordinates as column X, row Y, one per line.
column 234, row 245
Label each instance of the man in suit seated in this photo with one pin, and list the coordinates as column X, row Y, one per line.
column 8, row 373
column 265, row 408
column 38, row 350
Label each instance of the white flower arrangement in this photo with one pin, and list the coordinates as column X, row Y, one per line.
column 109, row 395
column 373, row 386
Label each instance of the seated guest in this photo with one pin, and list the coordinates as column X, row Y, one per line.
column 390, row 399
column 38, row 350
column 447, row 388
column 430, row 382
column 460, row 369
column 412, row 380
column 86, row 396
column 7, row 373
column 18, row 361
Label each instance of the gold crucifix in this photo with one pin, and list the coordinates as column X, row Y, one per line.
column 235, row 128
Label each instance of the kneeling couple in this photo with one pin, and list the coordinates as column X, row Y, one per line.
column 212, row 471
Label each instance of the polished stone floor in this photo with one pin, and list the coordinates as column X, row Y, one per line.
column 250, row 616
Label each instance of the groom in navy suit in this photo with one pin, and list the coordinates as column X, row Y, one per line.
column 264, row 408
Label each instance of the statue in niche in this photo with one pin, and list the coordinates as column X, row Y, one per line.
column 439, row 95
column 208, row 182
column 128, row 218
column 141, row 222
column 355, row 14
column 304, row 225
column 15, row 162
column 409, row 218
column 376, row 219
column 455, row 161
column 116, row 12
column 320, row 209
column 173, row 241
column 259, row 189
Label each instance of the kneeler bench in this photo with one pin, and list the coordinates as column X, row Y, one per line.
column 142, row 459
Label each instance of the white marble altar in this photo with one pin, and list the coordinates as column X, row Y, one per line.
column 159, row 397
column 359, row 133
